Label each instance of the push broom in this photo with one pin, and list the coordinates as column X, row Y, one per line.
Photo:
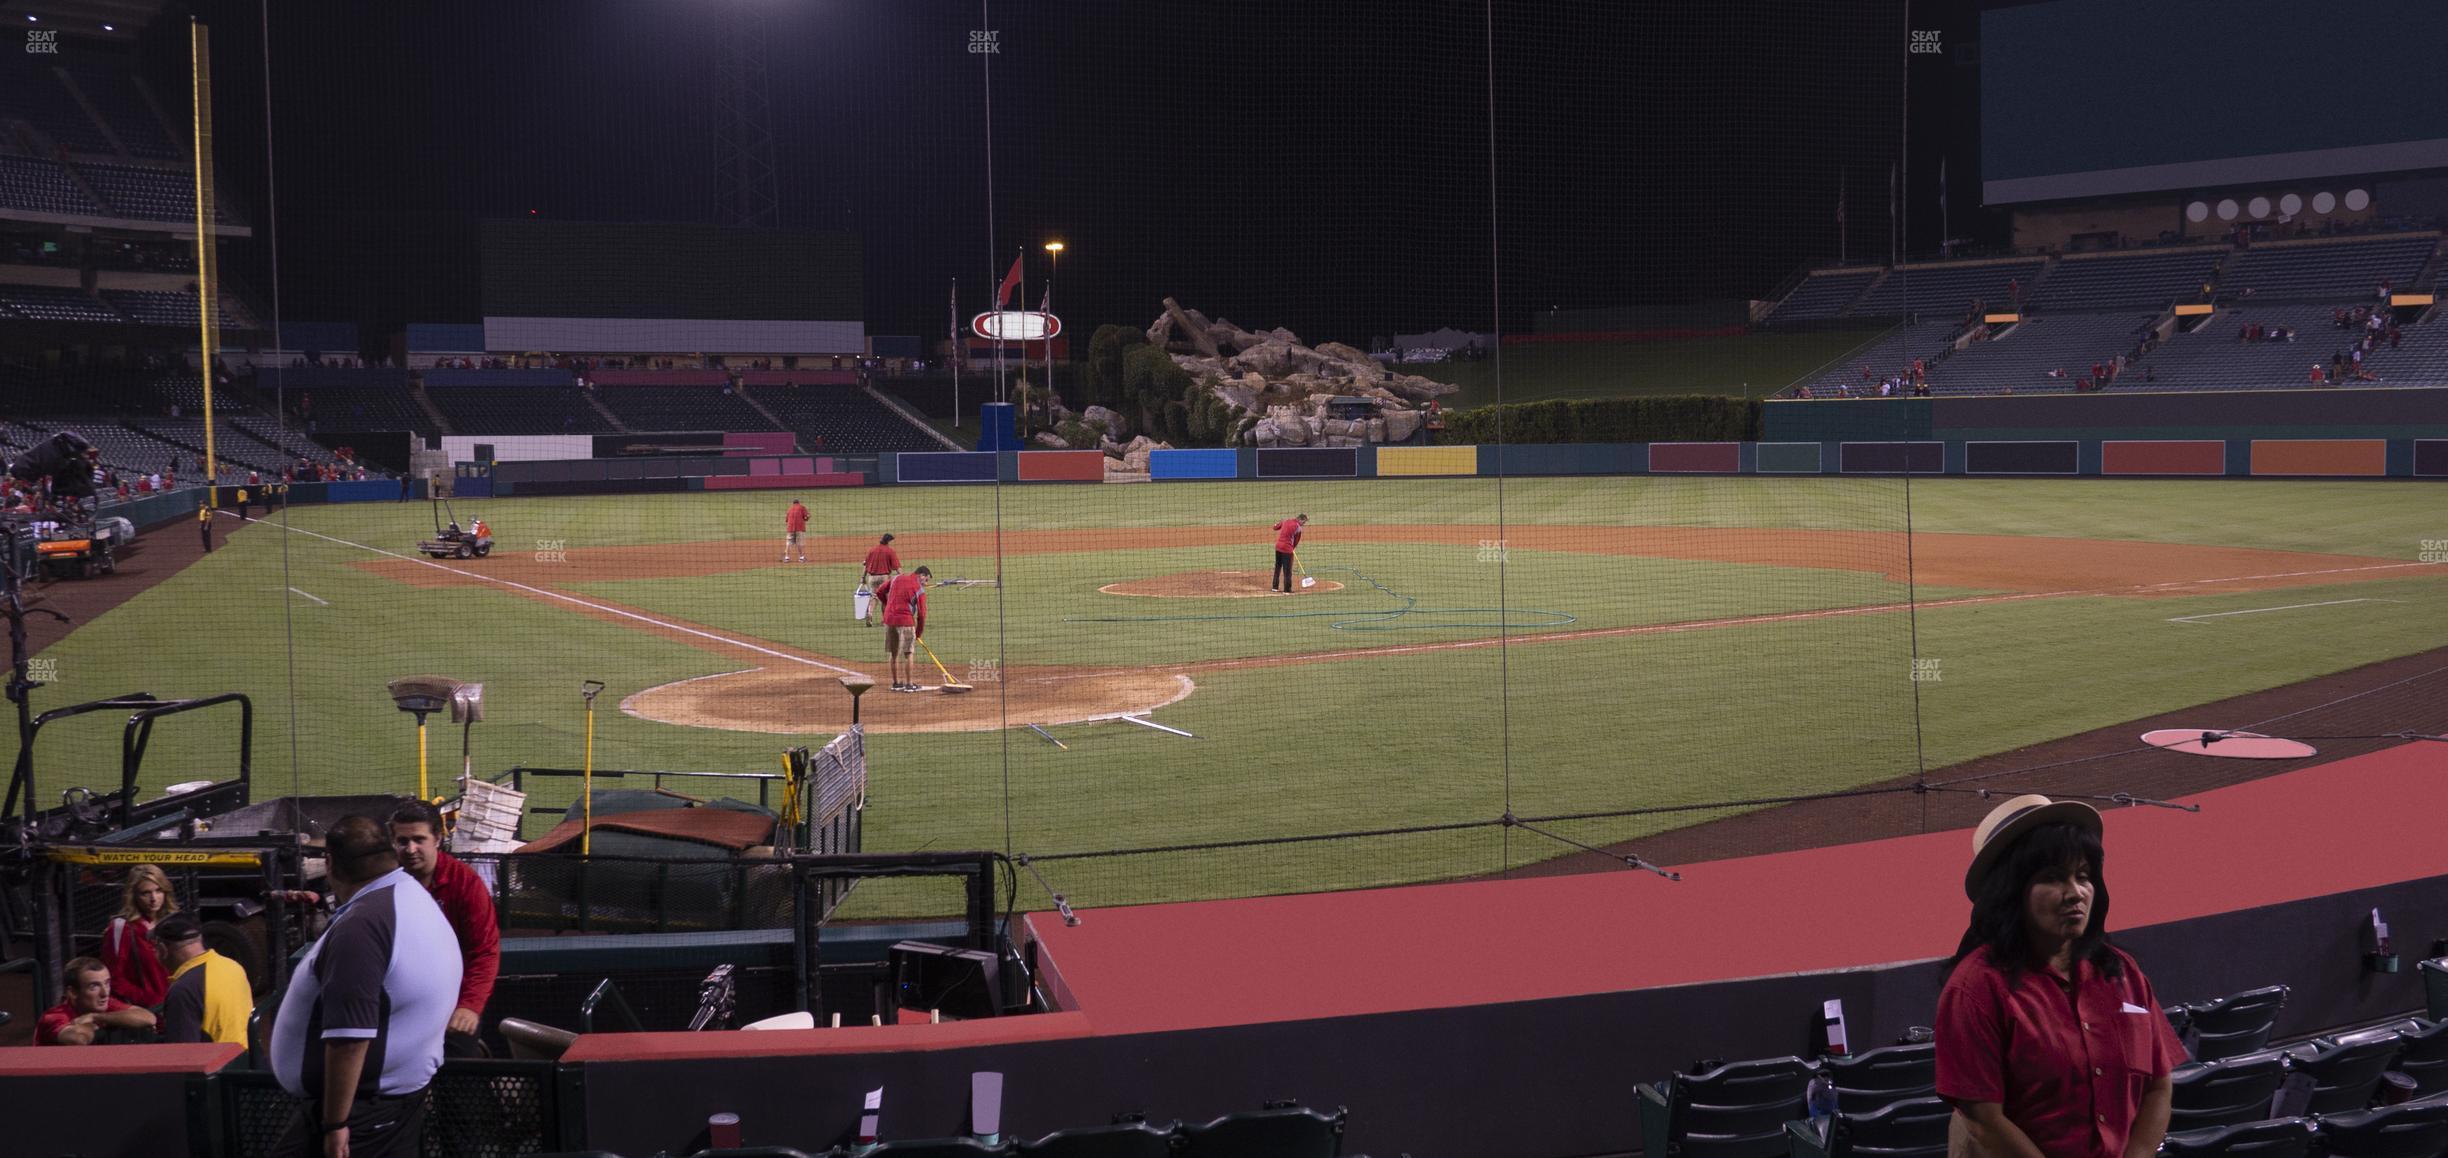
column 951, row 687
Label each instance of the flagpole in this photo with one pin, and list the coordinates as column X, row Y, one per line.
column 955, row 352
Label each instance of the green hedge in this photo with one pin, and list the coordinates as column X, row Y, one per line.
column 1678, row 418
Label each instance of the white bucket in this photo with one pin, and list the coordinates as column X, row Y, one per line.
column 859, row 601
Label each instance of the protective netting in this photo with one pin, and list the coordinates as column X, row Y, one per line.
column 1633, row 624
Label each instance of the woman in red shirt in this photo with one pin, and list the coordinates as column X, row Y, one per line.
column 2050, row 1041
column 136, row 972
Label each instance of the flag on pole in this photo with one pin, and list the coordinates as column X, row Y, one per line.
column 1011, row 281
column 1045, row 301
column 952, row 327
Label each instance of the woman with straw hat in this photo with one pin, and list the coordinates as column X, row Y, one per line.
column 2050, row 1041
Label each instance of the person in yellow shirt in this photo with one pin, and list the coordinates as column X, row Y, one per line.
column 209, row 997
column 204, row 522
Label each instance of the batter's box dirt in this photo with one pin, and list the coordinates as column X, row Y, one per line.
column 796, row 700
column 1210, row 585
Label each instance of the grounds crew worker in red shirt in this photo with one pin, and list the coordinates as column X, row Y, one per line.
column 794, row 524
column 904, row 622
column 1287, row 540
column 416, row 834
column 882, row 562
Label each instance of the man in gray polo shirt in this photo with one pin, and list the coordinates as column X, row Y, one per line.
column 359, row 1034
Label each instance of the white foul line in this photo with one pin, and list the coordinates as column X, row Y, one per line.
column 550, row 594
column 318, row 602
column 2288, row 607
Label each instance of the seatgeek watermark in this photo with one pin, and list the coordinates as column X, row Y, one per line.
column 985, row 44
column 1926, row 671
column 42, row 670
column 2433, row 551
column 1492, row 551
column 552, row 551
column 985, row 671
column 42, row 41
column 1925, row 42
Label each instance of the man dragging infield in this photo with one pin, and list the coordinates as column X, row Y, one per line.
column 1287, row 540
column 904, row 622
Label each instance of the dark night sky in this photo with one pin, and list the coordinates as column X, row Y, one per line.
column 1323, row 166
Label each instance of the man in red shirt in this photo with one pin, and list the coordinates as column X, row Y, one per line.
column 1287, row 540
column 794, row 524
column 882, row 563
column 89, row 1012
column 904, row 623
column 416, row 834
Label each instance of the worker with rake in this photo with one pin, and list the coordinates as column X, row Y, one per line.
column 904, row 622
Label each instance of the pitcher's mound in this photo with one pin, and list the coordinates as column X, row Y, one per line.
column 794, row 699
column 1209, row 585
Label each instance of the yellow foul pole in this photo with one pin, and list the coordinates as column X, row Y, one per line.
column 208, row 274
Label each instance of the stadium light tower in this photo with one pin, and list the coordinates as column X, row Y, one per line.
column 745, row 191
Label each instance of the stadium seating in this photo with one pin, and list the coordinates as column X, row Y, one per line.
column 1867, row 1081
column 2148, row 279
column 2328, row 271
column 2230, row 1026
column 1889, row 355
column 235, row 455
column 2276, row 1138
column 652, row 408
column 2021, row 359
column 1824, row 294
column 846, row 418
column 1735, row 1110
column 2420, row 358
column 2422, row 1050
column 171, row 308
column 152, row 194
column 517, row 409
column 1278, row 1131
column 1122, row 1140
column 124, row 112
column 362, row 408
column 41, row 186
column 2345, row 1076
column 2227, row 1091
column 43, row 303
column 289, row 443
column 2212, row 357
column 1912, row 1128
column 1944, row 290
column 35, row 95
column 2416, row 1129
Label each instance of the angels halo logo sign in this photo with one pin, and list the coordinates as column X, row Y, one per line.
column 1016, row 325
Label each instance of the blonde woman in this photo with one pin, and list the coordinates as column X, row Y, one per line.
column 136, row 972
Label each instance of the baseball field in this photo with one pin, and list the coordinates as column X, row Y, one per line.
column 1553, row 647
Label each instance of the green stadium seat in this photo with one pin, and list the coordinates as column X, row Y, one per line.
column 1122, row 1140
column 1281, row 1130
column 2226, row 1092
column 1883, row 1076
column 2230, row 1026
column 2345, row 1075
column 2276, row 1138
column 2413, row 1130
column 1732, row 1110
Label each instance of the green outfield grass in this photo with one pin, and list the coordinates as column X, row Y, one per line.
column 1751, row 365
column 1784, row 705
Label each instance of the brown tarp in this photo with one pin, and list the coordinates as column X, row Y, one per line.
column 721, row 827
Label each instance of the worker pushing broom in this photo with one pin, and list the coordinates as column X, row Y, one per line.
column 905, row 630
column 1287, row 554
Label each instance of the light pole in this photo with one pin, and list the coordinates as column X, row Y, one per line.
column 1055, row 251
